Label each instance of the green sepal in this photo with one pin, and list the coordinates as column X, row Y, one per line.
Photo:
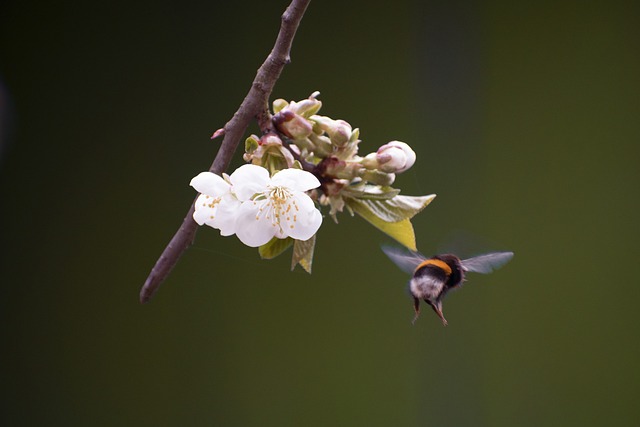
column 250, row 145
column 278, row 105
column 355, row 134
column 315, row 126
column 274, row 161
column 313, row 110
column 274, row 247
column 303, row 253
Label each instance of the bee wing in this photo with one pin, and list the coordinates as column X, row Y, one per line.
column 486, row 263
column 406, row 260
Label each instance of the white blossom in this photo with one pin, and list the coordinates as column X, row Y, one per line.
column 276, row 206
column 257, row 207
column 216, row 206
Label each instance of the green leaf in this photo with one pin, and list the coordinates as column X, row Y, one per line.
column 368, row 191
column 378, row 177
column 395, row 209
column 303, row 253
column 391, row 216
column 274, row 247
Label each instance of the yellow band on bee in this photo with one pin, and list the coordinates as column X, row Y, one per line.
column 437, row 263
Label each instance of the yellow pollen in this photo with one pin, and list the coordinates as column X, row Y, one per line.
column 213, row 203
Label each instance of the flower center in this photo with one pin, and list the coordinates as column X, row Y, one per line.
column 211, row 203
column 279, row 206
column 278, row 194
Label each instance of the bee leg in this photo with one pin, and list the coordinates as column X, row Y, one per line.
column 416, row 308
column 437, row 307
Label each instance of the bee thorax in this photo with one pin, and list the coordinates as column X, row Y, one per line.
column 426, row 287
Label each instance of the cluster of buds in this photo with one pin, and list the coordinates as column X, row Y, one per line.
column 303, row 162
column 328, row 148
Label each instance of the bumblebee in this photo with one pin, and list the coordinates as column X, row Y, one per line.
column 433, row 277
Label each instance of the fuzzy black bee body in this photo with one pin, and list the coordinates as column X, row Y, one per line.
column 433, row 277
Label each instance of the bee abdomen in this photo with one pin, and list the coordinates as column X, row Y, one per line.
column 426, row 286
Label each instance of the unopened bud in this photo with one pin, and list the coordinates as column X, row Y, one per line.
column 336, row 168
column 338, row 130
column 321, row 145
column 395, row 157
column 292, row 125
column 306, row 107
column 341, row 133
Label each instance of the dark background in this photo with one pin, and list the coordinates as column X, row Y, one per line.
column 524, row 117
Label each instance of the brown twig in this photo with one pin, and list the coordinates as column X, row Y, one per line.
column 254, row 106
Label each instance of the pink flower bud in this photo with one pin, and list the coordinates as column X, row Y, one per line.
column 339, row 131
column 292, row 125
column 395, row 157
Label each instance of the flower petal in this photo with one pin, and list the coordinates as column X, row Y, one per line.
column 210, row 184
column 203, row 209
column 217, row 212
column 302, row 219
column 248, row 180
column 304, row 230
column 295, row 179
column 226, row 215
column 254, row 227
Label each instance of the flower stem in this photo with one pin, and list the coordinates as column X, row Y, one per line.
column 307, row 166
column 254, row 106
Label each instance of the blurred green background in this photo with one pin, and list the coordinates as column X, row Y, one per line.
column 524, row 117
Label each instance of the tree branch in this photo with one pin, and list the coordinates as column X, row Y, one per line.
column 254, row 106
